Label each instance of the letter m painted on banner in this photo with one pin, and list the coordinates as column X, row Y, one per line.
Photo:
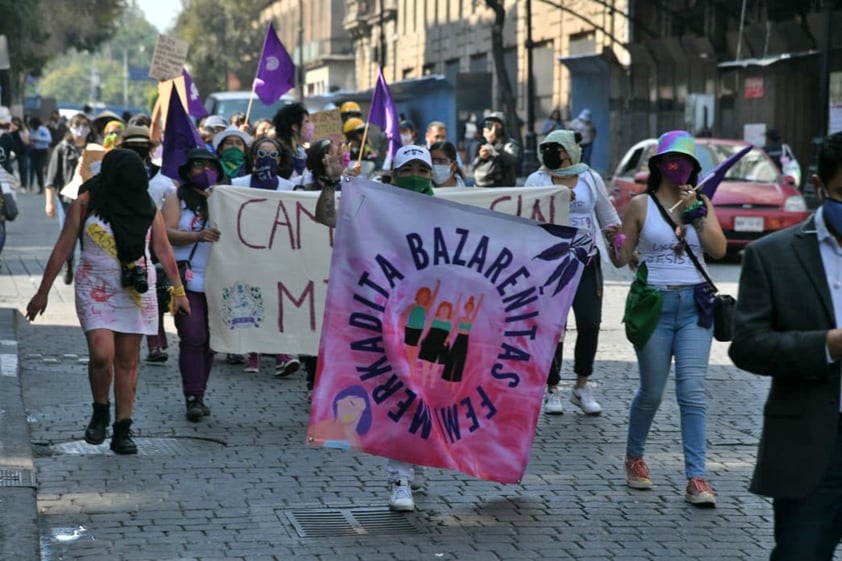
column 307, row 296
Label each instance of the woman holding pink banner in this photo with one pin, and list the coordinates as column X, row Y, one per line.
column 271, row 165
column 592, row 211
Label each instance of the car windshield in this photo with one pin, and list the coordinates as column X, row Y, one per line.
column 754, row 166
column 227, row 107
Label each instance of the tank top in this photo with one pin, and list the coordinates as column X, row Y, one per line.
column 191, row 222
column 656, row 248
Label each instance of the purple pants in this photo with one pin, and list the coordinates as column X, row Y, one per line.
column 195, row 356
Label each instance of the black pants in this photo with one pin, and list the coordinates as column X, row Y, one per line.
column 587, row 308
column 810, row 529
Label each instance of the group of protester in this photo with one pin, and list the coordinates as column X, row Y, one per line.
column 125, row 225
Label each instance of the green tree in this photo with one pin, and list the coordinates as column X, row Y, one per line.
column 225, row 40
column 38, row 30
column 69, row 77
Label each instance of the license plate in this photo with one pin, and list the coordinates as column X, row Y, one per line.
column 748, row 224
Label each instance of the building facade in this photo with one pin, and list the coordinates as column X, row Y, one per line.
column 313, row 33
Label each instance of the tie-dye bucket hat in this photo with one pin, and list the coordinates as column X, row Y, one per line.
column 676, row 142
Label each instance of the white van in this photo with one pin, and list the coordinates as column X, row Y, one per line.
column 226, row 104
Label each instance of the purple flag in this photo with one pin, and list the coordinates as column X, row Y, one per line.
column 384, row 115
column 180, row 136
column 716, row 175
column 194, row 101
column 275, row 72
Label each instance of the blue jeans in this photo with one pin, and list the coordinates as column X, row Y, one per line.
column 677, row 335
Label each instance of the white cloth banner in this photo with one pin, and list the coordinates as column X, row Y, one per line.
column 266, row 280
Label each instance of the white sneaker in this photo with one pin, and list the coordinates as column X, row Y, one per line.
column 583, row 399
column 401, row 499
column 552, row 403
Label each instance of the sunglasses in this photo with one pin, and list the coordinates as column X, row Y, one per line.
column 271, row 153
column 490, row 124
column 202, row 164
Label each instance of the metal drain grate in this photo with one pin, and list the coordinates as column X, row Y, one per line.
column 13, row 477
column 325, row 522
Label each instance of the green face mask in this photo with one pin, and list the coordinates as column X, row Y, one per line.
column 423, row 185
column 232, row 161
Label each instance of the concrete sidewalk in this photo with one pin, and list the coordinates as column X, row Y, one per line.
column 242, row 485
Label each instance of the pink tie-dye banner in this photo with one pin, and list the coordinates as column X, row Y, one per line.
column 440, row 324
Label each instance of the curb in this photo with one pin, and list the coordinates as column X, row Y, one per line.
column 19, row 535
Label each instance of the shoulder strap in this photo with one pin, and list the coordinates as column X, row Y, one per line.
column 689, row 251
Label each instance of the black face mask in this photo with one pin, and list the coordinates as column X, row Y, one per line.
column 142, row 151
column 552, row 159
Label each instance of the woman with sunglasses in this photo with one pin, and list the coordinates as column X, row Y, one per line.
column 271, row 167
column 590, row 210
column 191, row 234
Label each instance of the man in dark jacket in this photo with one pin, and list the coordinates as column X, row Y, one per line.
column 498, row 158
column 787, row 327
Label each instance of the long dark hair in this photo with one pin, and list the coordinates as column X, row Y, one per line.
column 285, row 118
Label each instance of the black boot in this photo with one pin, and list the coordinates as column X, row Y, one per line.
column 121, row 438
column 95, row 433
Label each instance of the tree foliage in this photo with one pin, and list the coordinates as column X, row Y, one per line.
column 38, row 30
column 69, row 77
column 225, row 42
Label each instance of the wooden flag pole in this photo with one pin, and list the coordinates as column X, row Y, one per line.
column 362, row 144
column 251, row 100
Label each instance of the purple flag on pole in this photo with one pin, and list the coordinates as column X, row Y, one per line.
column 716, row 175
column 180, row 136
column 384, row 115
column 194, row 101
column 275, row 72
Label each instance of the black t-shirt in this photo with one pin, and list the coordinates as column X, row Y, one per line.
column 7, row 146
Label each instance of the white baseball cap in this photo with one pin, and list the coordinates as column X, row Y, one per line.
column 406, row 154
column 5, row 114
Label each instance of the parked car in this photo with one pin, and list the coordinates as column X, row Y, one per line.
column 753, row 200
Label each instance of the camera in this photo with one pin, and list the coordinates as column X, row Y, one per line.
column 134, row 277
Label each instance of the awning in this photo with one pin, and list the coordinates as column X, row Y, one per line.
column 764, row 61
column 590, row 64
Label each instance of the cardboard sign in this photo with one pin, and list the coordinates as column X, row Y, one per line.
column 328, row 124
column 88, row 166
column 169, row 57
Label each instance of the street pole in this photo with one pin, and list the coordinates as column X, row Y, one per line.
column 125, row 79
column 301, row 51
column 530, row 160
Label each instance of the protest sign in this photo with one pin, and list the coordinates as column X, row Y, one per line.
column 327, row 124
column 168, row 58
column 439, row 329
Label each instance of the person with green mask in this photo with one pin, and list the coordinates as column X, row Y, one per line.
column 231, row 145
column 412, row 170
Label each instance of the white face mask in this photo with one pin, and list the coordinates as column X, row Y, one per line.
column 441, row 173
column 406, row 139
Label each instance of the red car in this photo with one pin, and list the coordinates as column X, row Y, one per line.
column 753, row 200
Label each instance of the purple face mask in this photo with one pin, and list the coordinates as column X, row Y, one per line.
column 206, row 179
column 677, row 171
